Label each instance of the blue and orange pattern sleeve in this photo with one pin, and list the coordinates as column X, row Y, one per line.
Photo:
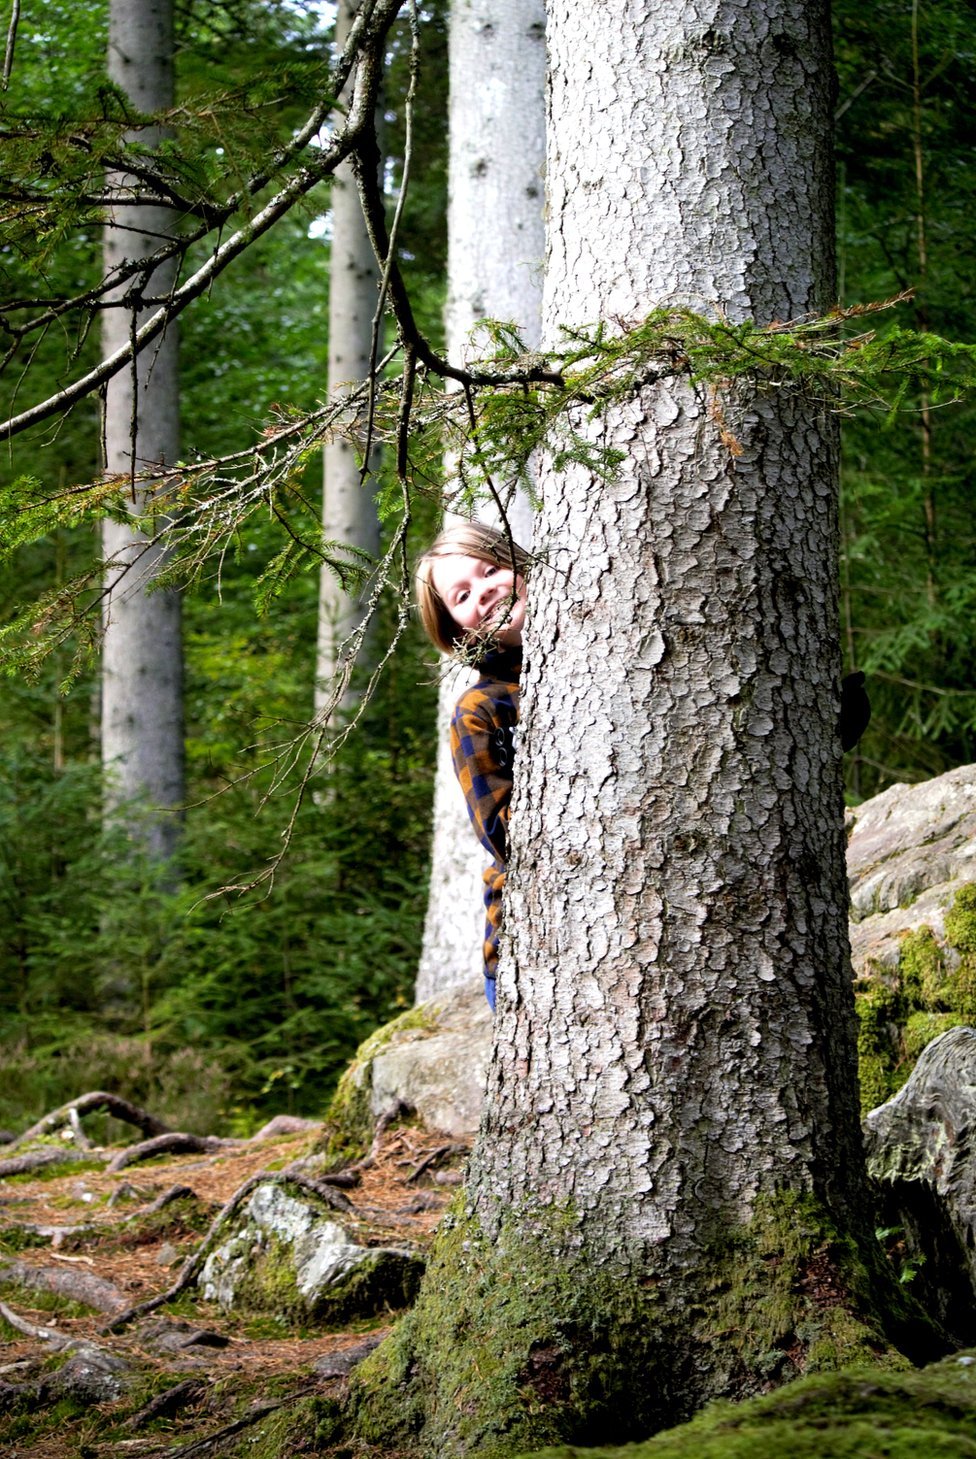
column 483, row 746
column 483, row 751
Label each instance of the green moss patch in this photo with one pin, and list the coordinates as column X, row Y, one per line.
column 900, row 1011
column 852, row 1414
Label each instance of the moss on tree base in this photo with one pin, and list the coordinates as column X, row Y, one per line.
column 518, row 1343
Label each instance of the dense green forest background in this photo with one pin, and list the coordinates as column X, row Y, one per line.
column 232, row 1009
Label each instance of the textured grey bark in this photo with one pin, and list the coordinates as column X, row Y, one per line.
column 348, row 510
column 676, row 1026
column 142, row 699
column 496, row 239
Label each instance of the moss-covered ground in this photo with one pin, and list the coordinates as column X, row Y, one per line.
column 859, row 1413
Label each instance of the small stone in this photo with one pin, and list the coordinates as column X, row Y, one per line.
column 204, row 1337
column 124, row 1192
column 337, row 1365
column 167, row 1255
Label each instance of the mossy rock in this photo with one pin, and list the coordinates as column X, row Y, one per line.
column 921, row 969
column 349, row 1119
column 901, row 1010
column 430, row 1063
column 960, row 922
column 922, row 1027
column 292, row 1257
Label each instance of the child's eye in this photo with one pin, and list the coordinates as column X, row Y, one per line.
column 460, row 597
column 491, row 568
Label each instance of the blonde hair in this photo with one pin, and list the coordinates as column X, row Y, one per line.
column 463, row 539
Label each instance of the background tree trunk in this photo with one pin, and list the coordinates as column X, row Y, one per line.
column 142, row 666
column 667, row 1200
column 348, row 509
column 496, row 239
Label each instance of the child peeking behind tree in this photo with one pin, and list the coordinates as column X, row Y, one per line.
column 471, row 596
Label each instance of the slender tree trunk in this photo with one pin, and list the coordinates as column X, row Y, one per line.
column 142, row 668
column 348, row 510
column 667, row 1200
column 496, row 239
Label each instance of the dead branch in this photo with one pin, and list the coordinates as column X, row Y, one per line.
column 366, row 37
column 172, row 1143
column 77, row 1286
column 97, row 1099
column 441, row 1153
column 191, row 1267
column 81, row 1139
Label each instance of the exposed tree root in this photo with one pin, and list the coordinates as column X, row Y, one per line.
column 57, row 1234
column 172, row 1193
column 97, row 1099
column 441, row 1153
column 172, row 1143
column 259, row 1412
column 37, row 1159
column 76, row 1284
column 31, row 1329
column 285, row 1125
column 164, row 1405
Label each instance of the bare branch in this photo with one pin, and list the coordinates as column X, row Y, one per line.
column 366, row 43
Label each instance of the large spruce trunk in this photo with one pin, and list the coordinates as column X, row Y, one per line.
column 142, row 663
column 676, row 1018
column 667, row 1201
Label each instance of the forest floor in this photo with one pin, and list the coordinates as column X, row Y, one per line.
column 193, row 1380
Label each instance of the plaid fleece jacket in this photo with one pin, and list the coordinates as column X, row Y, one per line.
column 483, row 745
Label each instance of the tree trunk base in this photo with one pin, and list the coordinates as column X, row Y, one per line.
column 517, row 1344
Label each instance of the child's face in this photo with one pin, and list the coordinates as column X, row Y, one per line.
column 481, row 596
